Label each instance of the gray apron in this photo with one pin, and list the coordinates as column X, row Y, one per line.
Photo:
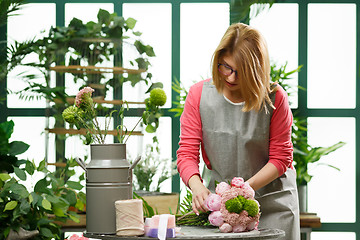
column 237, row 145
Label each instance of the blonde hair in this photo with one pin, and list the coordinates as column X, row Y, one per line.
column 249, row 50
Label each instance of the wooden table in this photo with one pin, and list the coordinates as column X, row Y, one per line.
column 308, row 221
column 204, row 233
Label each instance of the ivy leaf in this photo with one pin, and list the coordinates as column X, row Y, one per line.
column 34, row 198
column 24, row 207
column 71, row 197
column 20, row 173
column 19, row 190
column 130, row 22
column 119, row 21
column 137, row 34
column 74, row 185
column 30, row 167
column 142, row 63
column 53, row 199
column 59, row 212
column 74, row 216
column 10, row 205
column 18, row 147
column 150, row 129
column 155, row 85
column 144, row 48
column 41, row 166
column 103, row 17
column 46, row 232
column 41, row 186
column 4, row 176
column 46, row 204
column 8, row 128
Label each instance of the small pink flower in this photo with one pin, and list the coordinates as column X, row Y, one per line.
column 225, row 228
column 222, row 187
column 237, row 182
column 216, row 219
column 213, row 202
column 81, row 95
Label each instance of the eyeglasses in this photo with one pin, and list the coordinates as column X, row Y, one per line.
column 226, row 69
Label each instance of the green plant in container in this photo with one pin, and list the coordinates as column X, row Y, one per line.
column 37, row 212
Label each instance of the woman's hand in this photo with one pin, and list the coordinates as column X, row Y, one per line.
column 199, row 194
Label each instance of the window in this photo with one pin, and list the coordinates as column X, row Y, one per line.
column 323, row 37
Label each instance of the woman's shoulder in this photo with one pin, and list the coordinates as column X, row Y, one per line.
column 195, row 92
column 199, row 85
column 278, row 90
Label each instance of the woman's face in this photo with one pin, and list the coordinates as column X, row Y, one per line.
column 227, row 69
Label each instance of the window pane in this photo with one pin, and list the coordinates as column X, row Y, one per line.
column 326, row 181
column 136, row 145
column 156, row 32
column 331, row 55
column 333, row 235
column 202, row 27
column 23, row 131
column 279, row 25
column 32, row 21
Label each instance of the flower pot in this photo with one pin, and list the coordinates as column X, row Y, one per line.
column 109, row 179
column 162, row 203
column 302, row 192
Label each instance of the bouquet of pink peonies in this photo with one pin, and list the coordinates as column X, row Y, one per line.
column 233, row 207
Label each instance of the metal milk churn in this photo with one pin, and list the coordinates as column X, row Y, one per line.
column 109, row 178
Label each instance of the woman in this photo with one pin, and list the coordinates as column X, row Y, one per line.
column 243, row 125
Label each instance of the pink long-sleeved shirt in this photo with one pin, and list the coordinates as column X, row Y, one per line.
column 188, row 155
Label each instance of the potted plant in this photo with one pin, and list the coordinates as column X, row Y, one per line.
column 109, row 173
column 37, row 212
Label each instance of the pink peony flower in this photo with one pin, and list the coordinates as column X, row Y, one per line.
column 213, row 202
column 222, row 187
column 225, row 228
column 216, row 219
column 76, row 237
column 237, row 182
column 248, row 191
column 233, row 221
column 83, row 94
column 239, row 228
column 233, row 192
column 252, row 225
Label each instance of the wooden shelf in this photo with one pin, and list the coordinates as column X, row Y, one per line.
column 100, row 100
column 95, row 69
column 82, row 131
column 309, row 220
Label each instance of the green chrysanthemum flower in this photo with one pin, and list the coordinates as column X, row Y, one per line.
column 241, row 199
column 251, row 207
column 234, row 205
column 157, row 97
column 70, row 114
